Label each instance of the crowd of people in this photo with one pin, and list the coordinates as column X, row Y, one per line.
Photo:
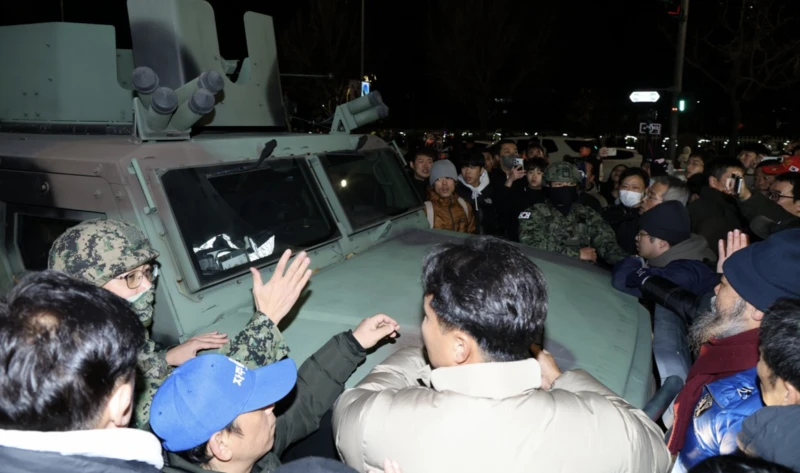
column 713, row 251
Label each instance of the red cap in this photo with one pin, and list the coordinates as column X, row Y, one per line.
column 790, row 164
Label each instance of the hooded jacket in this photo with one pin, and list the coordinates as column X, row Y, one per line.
column 86, row 451
column 771, row 434
column 481, row 199
column 448, row 214
column 491, row 417
column 682, row 264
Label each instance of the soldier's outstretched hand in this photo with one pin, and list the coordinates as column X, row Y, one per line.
column 278, row 295
column 187, row 350
column 589, row 254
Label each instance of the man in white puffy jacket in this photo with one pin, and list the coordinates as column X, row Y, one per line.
column 480, row 402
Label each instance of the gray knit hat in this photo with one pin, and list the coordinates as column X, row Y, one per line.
column 443, row 168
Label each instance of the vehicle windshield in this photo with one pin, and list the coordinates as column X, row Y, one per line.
column 230, row 219
column 371, row 185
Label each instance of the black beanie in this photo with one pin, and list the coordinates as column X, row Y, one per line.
column 668, row 221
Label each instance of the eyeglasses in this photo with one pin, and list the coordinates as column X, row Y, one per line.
column 777, row 196
column 134, row 278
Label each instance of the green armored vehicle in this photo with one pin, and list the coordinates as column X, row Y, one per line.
column 160, row 136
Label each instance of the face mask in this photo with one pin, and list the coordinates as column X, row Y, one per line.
column 630, row 198
column 142, row 304
column 562, row 198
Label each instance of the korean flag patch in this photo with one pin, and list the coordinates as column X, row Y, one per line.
column 525, row 215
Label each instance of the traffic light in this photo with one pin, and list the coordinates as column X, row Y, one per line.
column 682, row 105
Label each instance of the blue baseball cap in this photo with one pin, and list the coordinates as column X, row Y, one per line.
column 205, row 394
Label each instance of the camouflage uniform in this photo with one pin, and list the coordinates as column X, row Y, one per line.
column 543, row 226
column 97, row 251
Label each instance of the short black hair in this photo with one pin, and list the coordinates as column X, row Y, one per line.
column 473, row 158
column 65, row 345
column 780, row 340
column 497, row 147
column 535, row 163
column 487, row 288
column 635, row 172
column 720, row 166
column 792, row 178
column 737, row 464
column 199, row 454
column 700, row 154
column 427, row 151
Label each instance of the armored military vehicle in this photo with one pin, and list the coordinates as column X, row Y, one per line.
column 162, row 137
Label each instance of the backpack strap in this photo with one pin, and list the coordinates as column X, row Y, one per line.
column 429, row 212
column 464, row 206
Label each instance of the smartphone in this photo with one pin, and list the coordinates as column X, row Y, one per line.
column 519, row 162
column 735, row 184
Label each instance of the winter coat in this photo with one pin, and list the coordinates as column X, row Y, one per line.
column 320, row 380
column 771, row 433
column 85, row 451
column 450, row 214
column 713, row 215
column 484, row 417
column 718, row 417
column 625, row 223
column 481, row 199
column 511, row 202
column 682, row 264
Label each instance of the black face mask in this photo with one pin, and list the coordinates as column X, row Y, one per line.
column 562, row 198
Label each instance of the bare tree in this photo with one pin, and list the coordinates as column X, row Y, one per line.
column 745, row 47
column 484, row 49
column 322, row 39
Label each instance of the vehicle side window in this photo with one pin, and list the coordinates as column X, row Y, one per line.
column 34, row 237
column 550, row 146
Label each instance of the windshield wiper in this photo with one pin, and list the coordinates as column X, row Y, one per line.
column 269, row 147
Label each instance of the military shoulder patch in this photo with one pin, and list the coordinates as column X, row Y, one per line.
column 525, row 215
column 703, row 405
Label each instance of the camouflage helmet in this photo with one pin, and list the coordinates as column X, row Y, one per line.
column 96, row 251
column 562, row 172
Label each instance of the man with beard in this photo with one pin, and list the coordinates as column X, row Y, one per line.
column 722, row 387
column 116, row 256
column 563, row 225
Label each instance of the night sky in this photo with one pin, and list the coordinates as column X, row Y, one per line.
column 607, row 47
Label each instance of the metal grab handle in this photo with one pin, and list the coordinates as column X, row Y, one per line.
column 659, row 403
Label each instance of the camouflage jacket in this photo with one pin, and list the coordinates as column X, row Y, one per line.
column 259, row 344
column 544, row 227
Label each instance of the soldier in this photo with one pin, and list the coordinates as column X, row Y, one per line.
column 563, row 225
column 116, row 256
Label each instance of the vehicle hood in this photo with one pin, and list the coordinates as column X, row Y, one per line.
column 589, row 325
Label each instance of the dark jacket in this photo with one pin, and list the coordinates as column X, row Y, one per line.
column 421, row 187
column 713, row 215
column 625, row 223
column 760, row 205
column 481, row 199
column 320, row 380
column 15, row 460
column 718, row 417
column 682, row 264
column 85, row 451
column 512, row 202
column 683, row 302
column 771, row 434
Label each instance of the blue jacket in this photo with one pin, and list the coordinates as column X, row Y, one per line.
column 718, row 417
